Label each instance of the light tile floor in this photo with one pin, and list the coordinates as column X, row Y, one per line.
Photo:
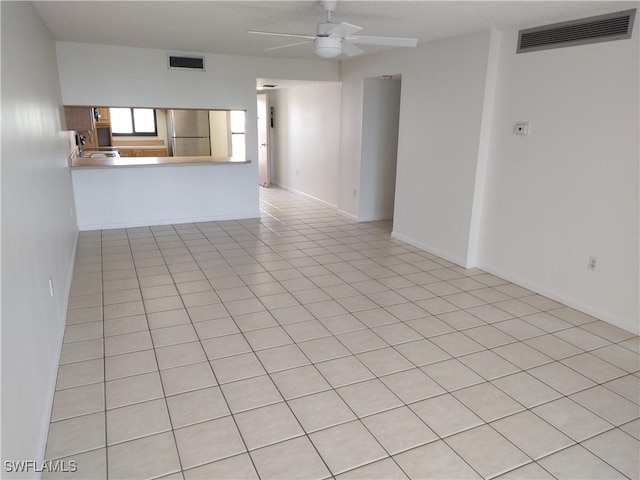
column 304, row 345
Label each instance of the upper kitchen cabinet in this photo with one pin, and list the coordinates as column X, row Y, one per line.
column 80, row 119
column 103, row 116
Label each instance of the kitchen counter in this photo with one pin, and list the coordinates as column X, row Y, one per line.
column 109, row 162
column 122, row 192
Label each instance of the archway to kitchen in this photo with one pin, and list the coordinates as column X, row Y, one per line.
column 303, row 120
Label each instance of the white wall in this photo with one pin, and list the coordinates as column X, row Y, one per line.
column 128, row 76
column 306, row 139
column 380, row 123
column 569, row 190
column 441, row 115
column 529, row 209
column 38, row 230
column 124, row 76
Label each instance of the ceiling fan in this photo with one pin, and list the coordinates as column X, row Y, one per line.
column 333, row 39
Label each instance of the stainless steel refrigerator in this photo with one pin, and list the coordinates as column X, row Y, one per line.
column 189, row 132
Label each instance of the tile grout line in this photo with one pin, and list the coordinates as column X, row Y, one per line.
column 104, row 362
column 216, row 379
column 164, row 395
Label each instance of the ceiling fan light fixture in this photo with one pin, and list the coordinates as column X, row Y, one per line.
column 334, row 39
column 328, row 47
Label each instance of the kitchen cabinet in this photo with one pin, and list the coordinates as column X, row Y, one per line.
column 124, row 152
column 90, row 139
column 80, row 119
column 103, row 116
column 103, row 134
column 155, row 152
column 142, row 152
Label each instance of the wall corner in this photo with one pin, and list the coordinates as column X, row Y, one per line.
column 484, row 147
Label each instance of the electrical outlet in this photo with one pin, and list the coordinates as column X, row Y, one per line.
column 355, row 192
column 51, row 286
column 297, row 173
column 593, row 263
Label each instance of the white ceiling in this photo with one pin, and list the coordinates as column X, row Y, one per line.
column 221, row 26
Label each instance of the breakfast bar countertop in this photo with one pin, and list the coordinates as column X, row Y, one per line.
column 110, row 162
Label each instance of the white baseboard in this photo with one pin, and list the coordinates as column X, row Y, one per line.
column 53, row 374
column 348, row 215
column 565, row 300
column 376, row 219
column 430, row 248
column 304, row 194
column 167, row 221
column 625, row 324
column 324, row 202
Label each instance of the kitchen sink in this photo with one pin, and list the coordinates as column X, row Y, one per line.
column 107, row 154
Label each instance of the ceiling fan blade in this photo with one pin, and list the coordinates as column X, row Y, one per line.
column 350, row 50
column 343, row 29
column 389, row 41
column 279, row 34
column 287, row 45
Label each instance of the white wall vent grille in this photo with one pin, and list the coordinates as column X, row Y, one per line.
column 185, row 62
column 602, row 28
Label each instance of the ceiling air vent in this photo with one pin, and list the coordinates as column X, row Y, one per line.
column 186, row 63
column 603, row 28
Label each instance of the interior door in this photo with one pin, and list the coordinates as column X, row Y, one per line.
column 263, row 140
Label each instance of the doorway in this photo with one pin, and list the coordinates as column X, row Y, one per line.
column 380, row 126
column 264, row 177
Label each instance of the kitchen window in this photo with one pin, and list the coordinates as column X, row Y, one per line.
column 134, row 121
